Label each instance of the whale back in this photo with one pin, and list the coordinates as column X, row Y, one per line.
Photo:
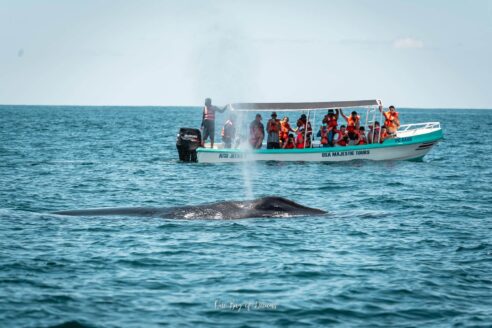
column 280, row 206
column 271, row 206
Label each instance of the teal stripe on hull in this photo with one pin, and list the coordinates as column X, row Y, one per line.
column 428, row 137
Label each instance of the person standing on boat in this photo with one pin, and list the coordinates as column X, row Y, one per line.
column 228, row 132
column 353, row 124
column 208, row 121
column 285, row 129
column 302, row 122
column 331, row 120
column 256, row 132
column 304, row 132
column 323, row 134
column 273, row 130
column 392, row 122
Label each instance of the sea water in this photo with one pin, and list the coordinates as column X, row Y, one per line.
column 404, row 243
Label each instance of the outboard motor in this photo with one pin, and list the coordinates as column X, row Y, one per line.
column 187, row 141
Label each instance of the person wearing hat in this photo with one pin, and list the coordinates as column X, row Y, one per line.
column 208, row 121
column 256, row 132
column 273, row 130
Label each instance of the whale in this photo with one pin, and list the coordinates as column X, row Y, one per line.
column 265, row 207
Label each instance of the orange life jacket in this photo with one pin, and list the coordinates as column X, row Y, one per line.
column 324, row 135
column 362, row 141
column 290, row 145
column 273, row 126
column 284, row 130
column 209, row 113
column 300, row 140
column 332, row 122
column 390, row 117
column 351, row 123
column 342, row 142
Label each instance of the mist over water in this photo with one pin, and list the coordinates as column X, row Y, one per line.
column 403, row 244
column 225, row 69
column 248, row 168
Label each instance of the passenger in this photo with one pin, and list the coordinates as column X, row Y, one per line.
column 384, row 134
column 300, row 139
column 344, row 142
column 301, row 121
column 323, row 134
column 373, row 133
column 309, row 130
column 353, row 124
column 273, row 130
column 208, row 121
column 341, row 138
column 331, row 120
column 228, row 132
column 256, row 132
column 308, row 141
column 301, row 124
column 289, row 143
column 392, row 121
column 361, row 137
column 284, row 130
column 370, row 134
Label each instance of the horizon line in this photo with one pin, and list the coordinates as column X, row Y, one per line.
column 192, row 106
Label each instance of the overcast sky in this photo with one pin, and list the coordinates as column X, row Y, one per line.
column 409, row 53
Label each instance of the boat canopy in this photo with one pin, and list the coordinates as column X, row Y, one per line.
column 290, row 107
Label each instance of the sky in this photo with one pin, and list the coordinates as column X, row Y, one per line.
column 420, row 53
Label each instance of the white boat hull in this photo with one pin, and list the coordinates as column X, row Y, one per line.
column 404, row 148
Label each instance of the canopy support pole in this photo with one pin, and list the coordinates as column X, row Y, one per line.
column 367, row 115
column 314, row 120
column 306, row 127
column 380, row 120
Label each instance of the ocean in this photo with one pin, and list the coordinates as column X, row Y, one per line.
column 404, row 243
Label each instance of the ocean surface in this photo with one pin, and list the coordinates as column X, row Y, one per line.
column 404, row 244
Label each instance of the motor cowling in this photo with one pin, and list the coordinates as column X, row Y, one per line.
column 187, row 141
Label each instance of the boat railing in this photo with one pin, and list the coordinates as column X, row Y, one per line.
column 419, row 126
